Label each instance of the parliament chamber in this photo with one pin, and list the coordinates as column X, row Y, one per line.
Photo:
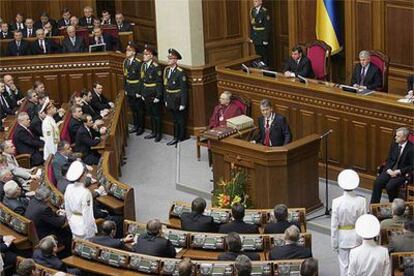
column 285, row 159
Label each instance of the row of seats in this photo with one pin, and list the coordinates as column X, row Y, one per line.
column 383, row 210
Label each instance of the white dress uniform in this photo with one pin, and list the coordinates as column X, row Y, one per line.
column 346, row 209
column 51, row 136
column 79, row 211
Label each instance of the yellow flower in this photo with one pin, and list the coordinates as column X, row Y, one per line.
column 236, row 199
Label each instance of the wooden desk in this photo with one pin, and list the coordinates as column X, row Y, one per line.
column 97, row 268
column 210, row 255
column 363, row 126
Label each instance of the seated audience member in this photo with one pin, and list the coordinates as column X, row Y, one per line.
column 86, row 138
column 73, row 43
column 44, row 18
column 74, row 22
column 243, row 266
column 29, row 30
column 96, row 23
column 152, row 243
column 40, row 88
column 400, row 161
column 5, row 176
column 18, row 23
column 291, row 250
column 87, row 19
column 225, row 110
column 234, row 249
column 121, row 24
column 64, row 22
column 274, row 130
column 32, row 103
column 15, row 96
column 309, row 267
column 398, row 219
column 99, row 101
column 366, row 74
column 107, row 18
column 6, row 245
column 75, row 121
column 5, row 105
column 26, row 267
column 404, row 242
column 410, row 82
column 279, row 226
column 238, row 225
column 87, row 107
column 50, row 30
column 298, row 65
column 26, row 142
column 62, row 157
column 5, row 33
column 106, row 238
column 185, row 267
column 369, row 258
column 42, row 45
column 13, row 198
column 195, row 220
column 36, row 123
column 99, row 38
column 18, row 47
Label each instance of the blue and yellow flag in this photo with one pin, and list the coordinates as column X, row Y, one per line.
column 328, row 24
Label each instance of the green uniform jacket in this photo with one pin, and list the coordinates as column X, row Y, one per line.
column 151, row 81
column 175, row 88
column 260, row 26
column 132, row 75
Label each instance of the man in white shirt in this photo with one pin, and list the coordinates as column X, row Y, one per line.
column 346, row 209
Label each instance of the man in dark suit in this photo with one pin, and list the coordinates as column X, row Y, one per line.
column 75, row 122
column 238, row 225
column 44, row 18
column 50, row 30
column 399, row 162
column 87, row 19
column 298, row 65
column 291, row 250
column 410, row 82
column 72, row 43
column 26, row 142
column 86, row 106
column 13, row 198
column 42, row 45
column 196, row 221
column 99, row 37
column 13, row 94
column 274, row 131
column 64, row 22
column 29, row 30
column 86, row 138
column 234, row 247
column 5, row 103
column 62, row 157
column 36, row 124
column 404, row 242
column 18, row 24
column 280, row 213
column 6, row 250
column 107, row 18
column 366, row 74
column 98, row 101
column 152, row 243
column 108, row 229
column 32, row 103
column 5, row 33
column 121, row 24
column 18, row 47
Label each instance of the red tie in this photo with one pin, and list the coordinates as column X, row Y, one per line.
column 267, row 134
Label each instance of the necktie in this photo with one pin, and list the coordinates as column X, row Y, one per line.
column 73, row 41
column 361, row 82
column 267, row 133
column 42, row 46
column 145, row 67
column 4, row 102
column 398, row 159
column 29, row 32
column 18, row 44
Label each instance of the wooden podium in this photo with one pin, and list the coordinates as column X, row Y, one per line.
column 287, row 174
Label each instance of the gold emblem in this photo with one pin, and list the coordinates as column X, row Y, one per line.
column 184, row 78
column 159, row 73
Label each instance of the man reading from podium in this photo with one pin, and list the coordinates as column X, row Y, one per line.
column 223, row 111
column 274, row 131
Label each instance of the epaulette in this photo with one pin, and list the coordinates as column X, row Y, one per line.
column 155, row 64
column 179, row 69
column 263, row 8
column 137, row 59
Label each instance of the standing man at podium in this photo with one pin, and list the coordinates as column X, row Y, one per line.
column 274, row 131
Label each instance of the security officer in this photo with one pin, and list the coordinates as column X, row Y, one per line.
column 346, row 209
column 132, row 73
column 151, row 91
column 175, row 95
column 260, row 27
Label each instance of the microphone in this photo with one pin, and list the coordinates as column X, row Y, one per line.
column 303, row 79
column 245, row 68
column 326, row 133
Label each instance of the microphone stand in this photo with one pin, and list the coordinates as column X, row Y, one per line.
column 327, row 210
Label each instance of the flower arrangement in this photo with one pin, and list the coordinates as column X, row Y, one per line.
column 232, row 191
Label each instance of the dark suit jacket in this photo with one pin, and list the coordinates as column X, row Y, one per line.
column 109, row 242
column 28, row 143
column 67, row 46
column 31, row 109
column 231, row 256
column 23, row 50
column 88, row 109
column 304, row 68
column 279, row 131
column 6, row 100
column 154, row 246
column 278, row 227
column 406, row 162
column 107, row 39
column 74, row 126
column 44, row 219
column 61, row 23
column 7, row 35
column 239, row 226
column 57, row 163
column 36, row 126
column 99, row 103
column 51, row 47
column 83, row 22
column 125, row 27
column 402, row 243
column 410, row 81
column 372, row 80
column 84, row 141
column 17, row 205
column 48, row 261
column 38, row 24
column 196, row 222
column 289, row 251
column 13, row 26
column 33, row 33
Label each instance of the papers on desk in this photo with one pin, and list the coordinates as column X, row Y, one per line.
column 406, row 100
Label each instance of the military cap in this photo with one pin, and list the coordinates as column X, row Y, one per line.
column 348, row 179
column 367, row 226
column 174, row 53
column 75, row 171
column 150, row 49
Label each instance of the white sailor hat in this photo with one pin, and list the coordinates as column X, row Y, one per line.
column 348, row 179
column 367, row 226
column 75, row 171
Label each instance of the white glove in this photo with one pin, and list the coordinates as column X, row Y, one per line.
column 111, row 104
column 181, row 108
column 265, row 43
column 138, row 95
column 165, row 105
column 156, row 100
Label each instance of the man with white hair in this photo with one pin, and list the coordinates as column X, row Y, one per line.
column 226, row 109
column 79, row 203
column 346, row 209
column 366, row 74
column 398, row 219
column 13, row 198
column 368, row 259
column 72, row 43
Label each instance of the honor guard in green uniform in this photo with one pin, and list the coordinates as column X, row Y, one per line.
column 151, row 91
column 175, row 95
column 132, row 74
column 260, row 28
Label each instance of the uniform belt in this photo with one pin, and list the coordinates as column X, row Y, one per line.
column 132, row 81
column 346, row 227
column 173, row 91
column 76, row 214
column 150, row 84
column 259, row 28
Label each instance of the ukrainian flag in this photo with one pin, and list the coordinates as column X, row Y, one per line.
column 328, row 26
